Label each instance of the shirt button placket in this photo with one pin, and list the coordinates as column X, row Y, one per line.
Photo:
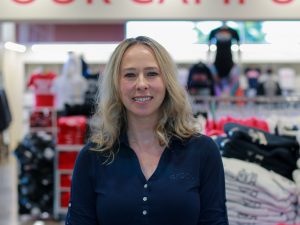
column 145, row 209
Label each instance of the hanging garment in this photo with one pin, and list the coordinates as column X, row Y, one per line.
column 41, row 83
column 200, row 80
column 224, row 36
column 70, row 87
column 5, row 114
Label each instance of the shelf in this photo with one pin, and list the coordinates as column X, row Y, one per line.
column 63, row 210
column 46, row 129
column 61, row 147
column 64, row 189
column 64, row 171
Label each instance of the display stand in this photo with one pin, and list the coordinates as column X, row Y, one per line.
column 70, row 140
column 64, row 163
column 35, row 155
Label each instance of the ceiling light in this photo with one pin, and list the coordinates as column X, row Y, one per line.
column 15, row 47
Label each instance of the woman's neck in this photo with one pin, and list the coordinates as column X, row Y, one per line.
column 141, row 131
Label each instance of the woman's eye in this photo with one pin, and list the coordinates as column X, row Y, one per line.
column 152, row 73
column 129, row 75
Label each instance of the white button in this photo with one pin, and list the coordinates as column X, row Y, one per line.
column 144, row 212
column 145, row 185
column 145, row 199
column 70, row 204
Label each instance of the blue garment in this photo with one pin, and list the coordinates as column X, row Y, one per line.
column 187, row 188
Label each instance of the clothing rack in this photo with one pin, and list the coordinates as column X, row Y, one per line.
column 259, row 99
column 241, row 107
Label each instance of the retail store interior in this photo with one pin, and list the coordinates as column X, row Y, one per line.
column 44, row 123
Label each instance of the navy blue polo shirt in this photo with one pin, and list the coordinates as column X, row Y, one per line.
column 187, row 187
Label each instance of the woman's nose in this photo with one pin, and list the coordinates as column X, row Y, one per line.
column 142, row 83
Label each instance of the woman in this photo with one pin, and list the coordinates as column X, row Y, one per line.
column 146, row 162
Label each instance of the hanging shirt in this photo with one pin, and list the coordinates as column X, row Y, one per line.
column 42, row 84
column 224, row 36
column 5, row 114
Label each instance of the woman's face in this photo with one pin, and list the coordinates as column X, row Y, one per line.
column 142, row 87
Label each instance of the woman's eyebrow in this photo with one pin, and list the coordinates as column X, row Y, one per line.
column 129, row 69
column 152, row 68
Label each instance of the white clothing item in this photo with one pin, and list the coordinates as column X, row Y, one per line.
column 246, row 200
column 296, row 178
column 183, row 76
column 236, row 207
column 287, row 78
column 272, row 122
column 243, row 221
column 235, row 215
column 70, row 87
column 289, row 126
column 76, row 90
column 254, row 175
column 59, row 92
column 258, row 193
column 269, row 83
column 284, row 183
column 284, row 125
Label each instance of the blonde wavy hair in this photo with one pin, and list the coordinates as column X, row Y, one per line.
column 109, row 120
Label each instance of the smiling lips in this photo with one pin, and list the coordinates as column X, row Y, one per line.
column 142, row 99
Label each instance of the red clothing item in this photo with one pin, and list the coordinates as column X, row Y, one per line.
column 72, row 130
column 216, row 127
column 42, row 84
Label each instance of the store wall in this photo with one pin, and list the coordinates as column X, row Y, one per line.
column 42, row 32
column 13, row 80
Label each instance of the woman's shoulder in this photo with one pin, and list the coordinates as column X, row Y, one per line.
column 89, row 152
column 203, row 145
column 201, row 139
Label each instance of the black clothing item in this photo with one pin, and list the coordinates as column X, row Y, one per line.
column 5, row 115
column 278, row 159
column 84, row 67
column 200, row 80
column 259, row 137
column 187, row 187
column 223, row 37
column 35, row 155
column 272, row 152
column 90, row 94
column 269, row 88
column 74, row 110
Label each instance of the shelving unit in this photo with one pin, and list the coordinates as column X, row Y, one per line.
column 67, row 148
column 64, row 163
column 35, row 156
